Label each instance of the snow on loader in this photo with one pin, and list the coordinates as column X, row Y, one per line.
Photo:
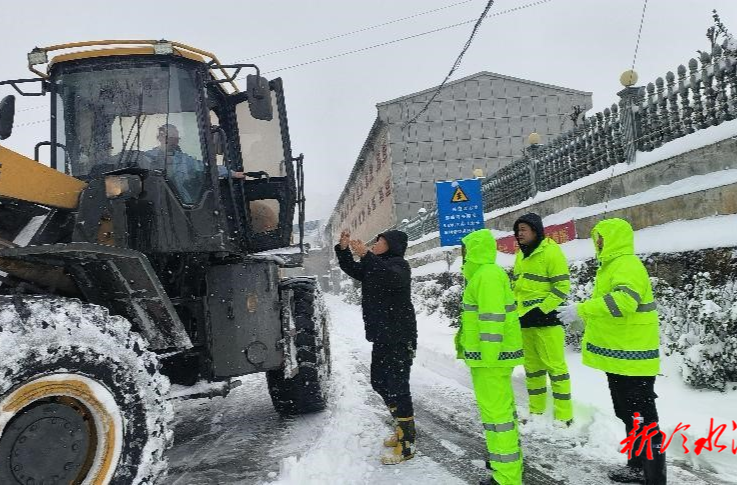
column 151, row 249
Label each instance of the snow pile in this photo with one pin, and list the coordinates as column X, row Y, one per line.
column 353, row 429
column 349, row 444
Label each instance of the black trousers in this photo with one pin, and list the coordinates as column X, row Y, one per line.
column 390, row 369
column 631, row 394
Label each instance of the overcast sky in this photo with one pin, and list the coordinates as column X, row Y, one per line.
column 580, row 44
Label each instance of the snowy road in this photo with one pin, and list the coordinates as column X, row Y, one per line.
column 240, row 439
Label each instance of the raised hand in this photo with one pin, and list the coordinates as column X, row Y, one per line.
column 345, row 238
column 359, row 248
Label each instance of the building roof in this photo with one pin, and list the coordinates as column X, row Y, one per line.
column 483, row 74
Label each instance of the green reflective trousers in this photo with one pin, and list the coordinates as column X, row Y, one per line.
column 545, row 357
column 495, row 398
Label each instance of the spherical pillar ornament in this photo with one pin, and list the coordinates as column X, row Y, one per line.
column 478, row 173
column 628, row 78
column 533, row 139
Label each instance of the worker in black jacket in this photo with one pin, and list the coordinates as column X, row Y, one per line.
column 389, row 319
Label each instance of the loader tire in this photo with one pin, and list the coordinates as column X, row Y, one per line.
column 81, row 397
column 307, row 391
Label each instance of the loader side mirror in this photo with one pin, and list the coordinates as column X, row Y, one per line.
column 7, row 116
column 259, row 97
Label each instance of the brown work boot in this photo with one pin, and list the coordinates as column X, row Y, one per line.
column 405, row 448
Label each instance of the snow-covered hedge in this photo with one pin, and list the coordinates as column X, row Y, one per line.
column 696, row 294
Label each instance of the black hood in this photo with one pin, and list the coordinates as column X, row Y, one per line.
column 397, row 242
column 536, row 222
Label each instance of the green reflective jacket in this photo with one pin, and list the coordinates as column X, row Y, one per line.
column 490, row 334
column 541, row 279
column 621, row 335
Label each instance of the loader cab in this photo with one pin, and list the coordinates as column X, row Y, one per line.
column 132, row 112
column 168, row 118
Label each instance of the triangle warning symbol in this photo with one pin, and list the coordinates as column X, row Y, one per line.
column 459, row 195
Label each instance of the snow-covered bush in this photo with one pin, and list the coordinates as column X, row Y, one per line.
column 442, row 293
column 699, row 322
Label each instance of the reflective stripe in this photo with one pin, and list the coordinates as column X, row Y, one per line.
column 504, row 458
column 623, row 354
column 517, row 354
column 470, row 308
column 647, row 307
column 537, row 373
column 492, row 317
column 532, row 302
column 630, row 292
column 536, row 277
column 612, row 305
column 539, row 390
column 562, row 277
column 562, row 397
column 472, row 355
column 562, row 377
column 499, row 428
column 559, row 293
column 510, row 308
column 491, row 337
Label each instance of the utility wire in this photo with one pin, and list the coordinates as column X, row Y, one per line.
column 414, row 36
column 634, row 61
column 358, row 31
column 456, row 64
column 382, row 44
column 639, row 34
column 355, row 51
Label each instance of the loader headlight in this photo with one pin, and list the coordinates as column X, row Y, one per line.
column 127, row 186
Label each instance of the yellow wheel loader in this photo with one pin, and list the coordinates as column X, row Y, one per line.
column 150, row 249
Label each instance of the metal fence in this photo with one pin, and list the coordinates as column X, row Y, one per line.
column 697, row 96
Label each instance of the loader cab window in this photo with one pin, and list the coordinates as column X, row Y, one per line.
column 269, row 188
column 111, row 117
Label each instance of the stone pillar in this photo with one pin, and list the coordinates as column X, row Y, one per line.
column 630, row 98
column 533, row 154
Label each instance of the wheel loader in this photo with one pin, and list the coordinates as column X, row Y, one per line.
column 147, row 252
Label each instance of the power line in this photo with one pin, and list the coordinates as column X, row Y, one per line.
column 639, row 34
column 358, row 31
column 456, row 64
column 634, row 60
column 414, row 36
column 382, row 44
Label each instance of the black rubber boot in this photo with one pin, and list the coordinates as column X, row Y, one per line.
column 655, row 469
column 627, row 474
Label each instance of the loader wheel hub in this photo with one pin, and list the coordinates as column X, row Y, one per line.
column 65, row 428
column 48, row 444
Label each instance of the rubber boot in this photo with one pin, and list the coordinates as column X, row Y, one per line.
column 405, row 448
column 627, row 474
column 655, row 470
column 392, row 440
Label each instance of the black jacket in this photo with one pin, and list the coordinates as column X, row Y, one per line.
column 388, row 313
